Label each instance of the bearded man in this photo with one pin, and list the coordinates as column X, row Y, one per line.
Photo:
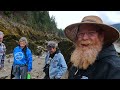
column 94, row 56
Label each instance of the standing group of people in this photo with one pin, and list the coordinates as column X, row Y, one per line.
column 22, row 63
column 94, row 56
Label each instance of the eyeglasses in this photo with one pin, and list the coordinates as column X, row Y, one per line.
column 92, row 33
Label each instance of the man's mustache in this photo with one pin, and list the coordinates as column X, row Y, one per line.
column 86, row 42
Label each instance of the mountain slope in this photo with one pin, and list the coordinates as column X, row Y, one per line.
column 116, row 26
column 37, row 26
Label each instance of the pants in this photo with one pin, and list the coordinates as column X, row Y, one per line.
column 12, row 76
column 20, row 72
column 46, row 71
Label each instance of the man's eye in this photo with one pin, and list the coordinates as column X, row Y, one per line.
column 92, row 33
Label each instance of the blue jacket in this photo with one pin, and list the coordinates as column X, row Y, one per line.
column 19, row 57
column 57, row 67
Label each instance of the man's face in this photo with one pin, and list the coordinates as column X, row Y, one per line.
column 88, row 45
column 87, row 35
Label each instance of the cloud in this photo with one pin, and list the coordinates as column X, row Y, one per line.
column 110, row 17
column 65, row 18
column 105, row 17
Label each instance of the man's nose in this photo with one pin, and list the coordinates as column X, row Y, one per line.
column 85, row 36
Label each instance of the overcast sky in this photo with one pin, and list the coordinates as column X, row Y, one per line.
column 64, row 18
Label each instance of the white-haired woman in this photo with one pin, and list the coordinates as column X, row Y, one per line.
column 2, row 50
column 22, row 64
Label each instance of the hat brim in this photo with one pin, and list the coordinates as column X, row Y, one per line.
column 111, row 34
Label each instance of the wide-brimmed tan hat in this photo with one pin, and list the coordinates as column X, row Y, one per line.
column 111, row 33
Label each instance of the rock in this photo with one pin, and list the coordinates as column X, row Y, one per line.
column 4, row 77
column 66, row 48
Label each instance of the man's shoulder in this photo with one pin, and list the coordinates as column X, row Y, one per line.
column 114, row 61
column 17, row 47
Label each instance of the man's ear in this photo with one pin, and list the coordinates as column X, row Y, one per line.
column 101, row 36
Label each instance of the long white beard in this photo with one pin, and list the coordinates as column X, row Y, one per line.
column 83, row 57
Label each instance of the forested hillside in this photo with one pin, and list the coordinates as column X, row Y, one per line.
column 37, row 26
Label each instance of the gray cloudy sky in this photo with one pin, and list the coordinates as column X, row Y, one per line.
column 64, row 18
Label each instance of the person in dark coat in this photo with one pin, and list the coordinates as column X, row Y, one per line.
column 94, row 56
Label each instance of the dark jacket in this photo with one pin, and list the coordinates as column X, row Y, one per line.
column 106, row 66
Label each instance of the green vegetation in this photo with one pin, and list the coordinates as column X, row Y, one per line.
column 37, row 26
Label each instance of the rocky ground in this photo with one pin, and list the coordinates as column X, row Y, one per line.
column 37, row 71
